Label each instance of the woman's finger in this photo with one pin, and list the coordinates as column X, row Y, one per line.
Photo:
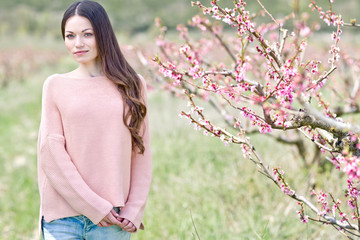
column 124, row 223
column 132, row 229
column 114, row 213
column 106, row 223
column 112, row 220
column 128, row 225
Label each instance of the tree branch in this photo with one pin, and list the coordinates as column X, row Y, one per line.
column 318, row 120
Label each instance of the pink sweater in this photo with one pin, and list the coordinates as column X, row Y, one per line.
column 85, row 162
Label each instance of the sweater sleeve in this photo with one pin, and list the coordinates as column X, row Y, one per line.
column 58, row 166
column 140, row 178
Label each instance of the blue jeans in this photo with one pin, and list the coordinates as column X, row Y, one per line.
column 80, row 228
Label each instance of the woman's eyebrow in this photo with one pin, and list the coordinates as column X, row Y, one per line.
column 86, row 29
column 81, row 31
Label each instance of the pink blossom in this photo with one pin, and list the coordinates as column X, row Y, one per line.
column 227, row 19
column 245, row 150
column 353, row 138
column 305, row 31
column 351, row 167
column 195, row 71
column 351, row 203
column 184, row 49
column 287, row 190
column 182, row 30
column 303, row 218
column 343, row 217
column 303, row 45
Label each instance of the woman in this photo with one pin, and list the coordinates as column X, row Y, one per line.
column 94, row 157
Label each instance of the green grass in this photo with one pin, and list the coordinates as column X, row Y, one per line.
column 198, row 183
column 19, row 106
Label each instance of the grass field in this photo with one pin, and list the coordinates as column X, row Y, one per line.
column 199, row 185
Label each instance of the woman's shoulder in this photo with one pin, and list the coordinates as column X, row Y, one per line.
column 141, row 78
column 50, row 80
column 55, row 80
column 59, row 77
column 143, row 82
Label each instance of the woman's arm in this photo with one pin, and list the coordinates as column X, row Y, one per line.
column 141, row 171
column 57, row 164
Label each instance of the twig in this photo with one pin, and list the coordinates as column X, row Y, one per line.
column 282, row 43
column 267, row 12
column 193, row 223
column 258, row 36
column 227, row 49
column 352, row 25
column 224, row 73
column 339, row 230
column 330, row 6
column 326, row 74
column 329, row 219
column 317, row 143
column 338, row 209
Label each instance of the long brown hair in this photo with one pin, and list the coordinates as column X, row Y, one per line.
column 114, row 65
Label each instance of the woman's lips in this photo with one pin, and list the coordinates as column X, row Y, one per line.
column 80, row 53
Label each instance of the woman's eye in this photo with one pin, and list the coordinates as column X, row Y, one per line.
column 70, row 36
column 88, row 34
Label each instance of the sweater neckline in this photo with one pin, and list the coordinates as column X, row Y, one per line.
column 83, row 77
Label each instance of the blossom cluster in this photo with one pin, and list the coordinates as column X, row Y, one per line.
column 352, row 193
column 283, row 82
column 322, row 200
column 348, row 163
column 303, row 218
column 262, row 86
column 256, row 120
column 329, row 18
column 278, row 175
column 351, row 166
column 169, row 71
column 236, row 17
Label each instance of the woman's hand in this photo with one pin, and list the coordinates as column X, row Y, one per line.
column 113, row 218
column 110, row 219
column 126, row 225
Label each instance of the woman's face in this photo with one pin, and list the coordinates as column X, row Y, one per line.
column 80, row 40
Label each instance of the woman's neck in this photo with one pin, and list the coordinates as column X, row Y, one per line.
column 90, row 70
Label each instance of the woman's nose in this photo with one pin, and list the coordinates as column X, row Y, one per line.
column 79, row 42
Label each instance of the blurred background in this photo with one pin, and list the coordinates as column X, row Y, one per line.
column 201, row 189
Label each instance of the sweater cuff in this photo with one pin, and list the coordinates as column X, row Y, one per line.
column 97, row 216
column 129, row 214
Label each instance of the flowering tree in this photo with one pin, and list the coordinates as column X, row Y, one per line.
column 259, row 79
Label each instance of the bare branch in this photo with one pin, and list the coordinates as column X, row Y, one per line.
column 267, row 12
column 352, row 25
column 318, row 120
column 222, row 42
column 282, row 43
column 317, row 143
